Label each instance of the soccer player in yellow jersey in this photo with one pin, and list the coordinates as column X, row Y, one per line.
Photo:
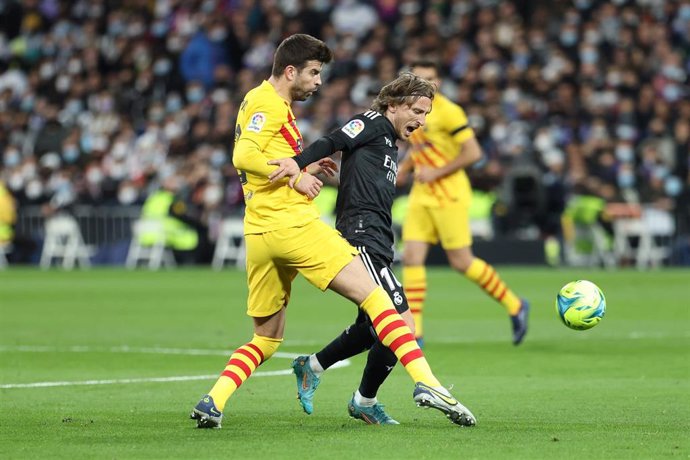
column 284, row 236
column 439, row 204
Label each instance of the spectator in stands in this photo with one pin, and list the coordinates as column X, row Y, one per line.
column 607, row 78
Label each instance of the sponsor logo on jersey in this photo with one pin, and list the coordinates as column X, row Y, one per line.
column 256, row 122
column 388, row 142
column 353, row 128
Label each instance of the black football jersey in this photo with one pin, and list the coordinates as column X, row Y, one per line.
column 367, row 182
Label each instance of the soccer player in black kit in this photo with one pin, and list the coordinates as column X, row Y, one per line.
column 363, row 216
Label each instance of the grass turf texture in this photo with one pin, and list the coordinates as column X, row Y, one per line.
column 620, row 390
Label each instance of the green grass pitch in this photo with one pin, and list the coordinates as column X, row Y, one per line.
column 620, row 390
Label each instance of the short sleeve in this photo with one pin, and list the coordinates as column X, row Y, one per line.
column 261, row 124
column 457, row 124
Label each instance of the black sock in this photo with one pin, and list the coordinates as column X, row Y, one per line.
column 380, row 363
column 353, row 340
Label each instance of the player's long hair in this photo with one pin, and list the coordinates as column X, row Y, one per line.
column 296, row 50
column 405, row 89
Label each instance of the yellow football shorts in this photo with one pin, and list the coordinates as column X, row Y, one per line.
column 315, row 250
column 449, row 224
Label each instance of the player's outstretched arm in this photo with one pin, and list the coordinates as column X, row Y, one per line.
column 326, row 166
column 288, row 167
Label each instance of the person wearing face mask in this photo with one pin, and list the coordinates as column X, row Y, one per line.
column 205, row 51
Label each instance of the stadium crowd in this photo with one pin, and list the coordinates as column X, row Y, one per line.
column 102, row 101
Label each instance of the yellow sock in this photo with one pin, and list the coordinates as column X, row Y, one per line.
column 414, row 280
column 396, row 335
column 242, row 363
column 486, row 277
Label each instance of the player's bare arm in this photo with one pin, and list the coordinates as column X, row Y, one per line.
column 289, row 167
column 471, row 153
column 325, row 166
column 306, row 184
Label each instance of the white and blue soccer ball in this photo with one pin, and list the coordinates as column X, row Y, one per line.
column 580, row 305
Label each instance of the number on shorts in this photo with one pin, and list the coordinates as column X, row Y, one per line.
column 390, row 278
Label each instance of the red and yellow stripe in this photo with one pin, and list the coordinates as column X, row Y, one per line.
column 242, row 363
column 396, row 335
column 486, row 277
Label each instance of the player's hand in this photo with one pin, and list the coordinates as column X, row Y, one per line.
column 307, row 185
column 324, row 166
column 286, row 167
column 425, row 174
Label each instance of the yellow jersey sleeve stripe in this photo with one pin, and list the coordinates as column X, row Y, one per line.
column 457, row 130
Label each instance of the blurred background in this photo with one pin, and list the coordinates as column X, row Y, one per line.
column 117, row 121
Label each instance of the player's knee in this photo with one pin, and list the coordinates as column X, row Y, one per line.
column 459, row 265
column 267, row 345
column 460, row 260
column 353, row 282
column 410, row 259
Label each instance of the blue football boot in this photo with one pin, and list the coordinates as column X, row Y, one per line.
column 206, row 413
column 519, row 322
column 372, row 415
column 307, row 381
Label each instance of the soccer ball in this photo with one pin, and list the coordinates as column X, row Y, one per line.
column 580, row 305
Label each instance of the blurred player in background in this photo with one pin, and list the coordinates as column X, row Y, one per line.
column 439, row 207
column 285, row 236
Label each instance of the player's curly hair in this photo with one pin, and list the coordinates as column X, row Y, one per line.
column 405, row 89
column 296, row 50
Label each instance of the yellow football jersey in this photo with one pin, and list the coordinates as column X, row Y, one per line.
column 436, row 144
column 266, row 130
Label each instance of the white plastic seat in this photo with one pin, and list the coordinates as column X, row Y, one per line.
column 230, row 245
column 600, row 254
column 653, row 231
column 155, row 255
column 63, row 240
column 482, row 228
column 5, row 248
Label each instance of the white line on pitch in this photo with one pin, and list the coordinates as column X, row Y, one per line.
column 128, row 349
column 180, row 378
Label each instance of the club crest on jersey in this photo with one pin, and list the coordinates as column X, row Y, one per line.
column 397, row 298
column 353, row 128
column 256, row 122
